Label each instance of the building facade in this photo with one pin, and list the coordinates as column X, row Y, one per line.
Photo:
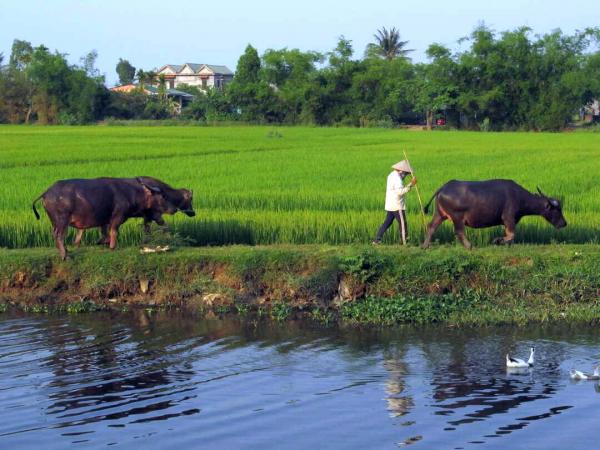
column 203, row 76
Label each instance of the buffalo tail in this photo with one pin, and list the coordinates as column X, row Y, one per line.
column 426, row 208
column 37, row 216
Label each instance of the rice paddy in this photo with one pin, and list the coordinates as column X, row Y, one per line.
column 264, row 185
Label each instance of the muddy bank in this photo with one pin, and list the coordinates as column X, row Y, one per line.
column 355, row 284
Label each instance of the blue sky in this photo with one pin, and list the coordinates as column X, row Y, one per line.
column 152, row 33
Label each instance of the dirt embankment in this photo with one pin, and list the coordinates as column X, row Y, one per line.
column 359, row 284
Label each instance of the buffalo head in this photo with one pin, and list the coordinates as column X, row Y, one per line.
column 553, row 211
column 185, row 205
column 168, row 200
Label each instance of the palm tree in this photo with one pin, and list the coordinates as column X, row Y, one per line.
column 151, row 76
column 141, row 76
column 145, row 77
column 162, row 87
column 389, row 45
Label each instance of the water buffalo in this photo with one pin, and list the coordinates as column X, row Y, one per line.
column 481, row 204
column 107, row 203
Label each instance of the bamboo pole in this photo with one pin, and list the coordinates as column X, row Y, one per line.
column 418, row 194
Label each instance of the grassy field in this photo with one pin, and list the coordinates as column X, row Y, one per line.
column 263, row 185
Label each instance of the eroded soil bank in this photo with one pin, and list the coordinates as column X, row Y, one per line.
column 381, row 285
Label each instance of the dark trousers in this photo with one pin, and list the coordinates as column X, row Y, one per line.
column 400, row 217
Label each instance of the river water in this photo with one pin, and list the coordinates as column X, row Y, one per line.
column 168, row 380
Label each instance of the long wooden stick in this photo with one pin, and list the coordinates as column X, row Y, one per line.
column 418, row 194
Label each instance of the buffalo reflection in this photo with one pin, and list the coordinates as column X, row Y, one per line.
column 108, row 371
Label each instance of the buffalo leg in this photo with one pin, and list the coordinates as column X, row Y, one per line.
column 459, row 230
column 59, row 232
column 104, row 239
column 112, row 235
column 161, row 223
column 113, row 232
column 433, row 225
column 78, row 236
column 509, row 234
column 147, row 223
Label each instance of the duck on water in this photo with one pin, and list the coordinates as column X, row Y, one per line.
column 520, row 363
column 578, row 375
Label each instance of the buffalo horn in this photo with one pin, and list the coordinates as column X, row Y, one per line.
column 541, row 193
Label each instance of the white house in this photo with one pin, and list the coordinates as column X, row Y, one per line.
column 201, row 75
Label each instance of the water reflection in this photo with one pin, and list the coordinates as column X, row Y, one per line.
column 124, row 379
column 399, row 404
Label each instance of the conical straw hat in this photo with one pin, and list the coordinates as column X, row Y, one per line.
column 403, row 166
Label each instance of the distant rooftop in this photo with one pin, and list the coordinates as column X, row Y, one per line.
column 223, row 70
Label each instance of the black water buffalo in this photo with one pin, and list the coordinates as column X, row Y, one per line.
column 481, row 204
column 107, row 203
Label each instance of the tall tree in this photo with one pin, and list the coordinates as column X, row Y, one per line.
column 20, row 55
column 332, row 101
column 434, row 89
column 388, row 45
column 88, row 63
column 49, row 73
column 248, row 66
column 125, row 71
column 342, row 52
column 381, row 92
column 289, row 73
column 15, row 96
column 254, row 97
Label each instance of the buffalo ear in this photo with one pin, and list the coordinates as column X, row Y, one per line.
column 153, row 189
column 147, row 192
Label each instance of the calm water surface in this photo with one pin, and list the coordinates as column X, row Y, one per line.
column 141, row 380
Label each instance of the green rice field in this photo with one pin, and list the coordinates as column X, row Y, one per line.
column 265, row 185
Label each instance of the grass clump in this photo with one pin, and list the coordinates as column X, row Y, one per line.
column 280, row 311
column 83, row 306
column 388, row 311
column 365, row 267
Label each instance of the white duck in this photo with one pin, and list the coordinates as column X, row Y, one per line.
column 519, row 363
column 577, row 375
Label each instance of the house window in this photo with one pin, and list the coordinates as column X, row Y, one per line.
column 171, row 84
column 204, row 83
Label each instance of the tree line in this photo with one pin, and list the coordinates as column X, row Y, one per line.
column 512, row 80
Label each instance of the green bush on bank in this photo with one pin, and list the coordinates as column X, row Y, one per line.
column 388, row 311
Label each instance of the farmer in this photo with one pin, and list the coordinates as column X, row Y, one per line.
column 394, row 200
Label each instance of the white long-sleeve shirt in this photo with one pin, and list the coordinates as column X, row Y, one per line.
column 394, row 195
